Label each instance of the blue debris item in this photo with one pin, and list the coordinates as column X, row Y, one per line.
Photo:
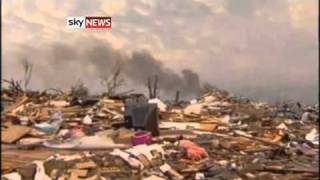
column 54, row 126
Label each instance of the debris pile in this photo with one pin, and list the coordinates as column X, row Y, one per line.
column 217, row 136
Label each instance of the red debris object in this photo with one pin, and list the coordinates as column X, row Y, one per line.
column 194, row 151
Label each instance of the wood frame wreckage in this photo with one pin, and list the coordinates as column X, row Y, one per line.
column 57, row 135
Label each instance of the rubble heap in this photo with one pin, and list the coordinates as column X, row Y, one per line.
column 217, row 136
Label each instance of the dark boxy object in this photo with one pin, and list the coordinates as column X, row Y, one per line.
column 141, row 115
column 84, row 101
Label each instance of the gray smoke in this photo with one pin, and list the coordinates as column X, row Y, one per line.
column 61, row 65
column 142, row 65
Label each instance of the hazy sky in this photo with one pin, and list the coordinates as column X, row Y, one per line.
column 264, row 49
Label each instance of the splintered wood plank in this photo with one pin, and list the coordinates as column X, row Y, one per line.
column 14, row 133
column 12, row 158
column 85, row 165
column 23, row 100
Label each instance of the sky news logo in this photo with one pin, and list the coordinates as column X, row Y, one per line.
column 81, row 22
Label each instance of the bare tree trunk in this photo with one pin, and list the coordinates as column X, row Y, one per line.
column 155, row 86
column 27, row 72
column 177, row 97
column 113, row 82
column 150, row 88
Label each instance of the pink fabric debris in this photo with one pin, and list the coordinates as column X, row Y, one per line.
column 194, row 151
column 142, row 138
column 77, row 132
